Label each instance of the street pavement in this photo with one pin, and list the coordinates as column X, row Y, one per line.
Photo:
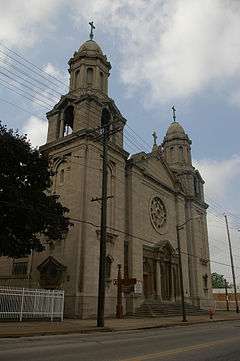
column 35, row 328
column 218, row 341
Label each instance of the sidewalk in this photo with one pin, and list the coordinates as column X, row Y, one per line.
column 68, row 326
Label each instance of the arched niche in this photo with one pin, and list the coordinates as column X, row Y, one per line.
column 68, row 120
column 89, row 76
column 105, row 117
column 77, row 77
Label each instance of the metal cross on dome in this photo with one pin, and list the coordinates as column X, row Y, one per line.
column 91, row 32
column 174, row 113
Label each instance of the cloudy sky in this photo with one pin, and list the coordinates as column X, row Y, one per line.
column 163, row 52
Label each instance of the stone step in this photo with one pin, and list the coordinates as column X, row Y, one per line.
column 154, row 309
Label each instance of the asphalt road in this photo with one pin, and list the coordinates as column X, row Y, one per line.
column 207, row 342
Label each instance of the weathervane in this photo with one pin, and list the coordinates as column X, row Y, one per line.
column 91, row 32
column 174, row 113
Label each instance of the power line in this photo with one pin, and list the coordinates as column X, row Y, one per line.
column 23, row 95
column 45, row 98
column 32, row 64
column 36, row 86
column 20, row 108
column 9, row 64
column 146, row 240
column 131, row 140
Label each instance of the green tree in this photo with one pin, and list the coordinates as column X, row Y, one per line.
column 218, row 280
column 28, row 212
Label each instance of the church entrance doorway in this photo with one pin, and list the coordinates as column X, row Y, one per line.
column 145, row 286
column 148, row 278
column 166, row 281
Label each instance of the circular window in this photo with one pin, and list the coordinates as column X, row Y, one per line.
column 158, row 213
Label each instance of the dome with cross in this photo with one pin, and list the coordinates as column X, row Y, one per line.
column 175, row 128
column 90, row 47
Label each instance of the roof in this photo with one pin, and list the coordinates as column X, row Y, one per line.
column 90, row 46
column 175, row 128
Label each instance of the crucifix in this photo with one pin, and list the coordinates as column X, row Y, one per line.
column 154, row 134
column 92, row 27
column 174, row 113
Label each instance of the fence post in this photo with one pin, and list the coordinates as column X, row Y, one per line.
column 22, row 302
column 62, row 306
column 52, row 308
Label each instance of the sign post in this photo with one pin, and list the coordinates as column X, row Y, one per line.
column 127, row 283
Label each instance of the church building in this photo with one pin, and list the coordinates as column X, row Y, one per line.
column 151, row 197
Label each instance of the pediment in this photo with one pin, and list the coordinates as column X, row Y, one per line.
column 158, row 169
column 49, row 263
column 165, row 249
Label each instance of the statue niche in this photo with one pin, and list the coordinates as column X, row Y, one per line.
column 51, row 273
column 68, row 120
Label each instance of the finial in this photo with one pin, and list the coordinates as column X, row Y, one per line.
column 154, row 134
column 174, row 113
column 91, row 32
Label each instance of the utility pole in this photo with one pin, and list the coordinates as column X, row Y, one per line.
column 119, row 308
column 184, row 319
column 226, row 293
column 103, row 232
column 232, row 265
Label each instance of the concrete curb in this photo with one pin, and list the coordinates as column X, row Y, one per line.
column 108, row 329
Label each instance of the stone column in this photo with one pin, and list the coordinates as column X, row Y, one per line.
column 61, row 131
column 158, row 280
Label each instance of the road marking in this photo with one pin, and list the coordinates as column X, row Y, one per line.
column 181, row 349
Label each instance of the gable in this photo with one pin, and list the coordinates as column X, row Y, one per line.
column 156, row 168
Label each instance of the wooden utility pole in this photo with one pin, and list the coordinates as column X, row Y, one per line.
column 119, row 308
column 103, row 232
column 226, row 293
column 232, row 265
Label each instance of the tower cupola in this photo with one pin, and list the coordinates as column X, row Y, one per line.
column 177, row 145
column 89, row 69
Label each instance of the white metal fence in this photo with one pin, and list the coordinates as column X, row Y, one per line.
column 23, row 303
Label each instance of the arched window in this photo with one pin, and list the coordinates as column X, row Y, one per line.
column 89, row 76
column 61, row 176
column 68, row 120
column 101, row 81
column 172, row 154
column 77, row 79
column 105, row 118
column 181, row 155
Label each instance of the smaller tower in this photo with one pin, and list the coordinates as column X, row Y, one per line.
column 177, row 152
column 177, row 147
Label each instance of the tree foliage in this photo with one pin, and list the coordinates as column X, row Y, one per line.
column 28, row 212
column 218, row 281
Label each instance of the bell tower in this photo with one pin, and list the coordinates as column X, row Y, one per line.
column 81, row 108
column 75, row 150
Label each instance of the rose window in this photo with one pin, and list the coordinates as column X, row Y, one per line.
column 157, row 213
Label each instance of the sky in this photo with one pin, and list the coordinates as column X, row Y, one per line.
column 162, row 52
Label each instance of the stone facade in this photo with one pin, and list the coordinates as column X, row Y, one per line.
column 150, row 195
